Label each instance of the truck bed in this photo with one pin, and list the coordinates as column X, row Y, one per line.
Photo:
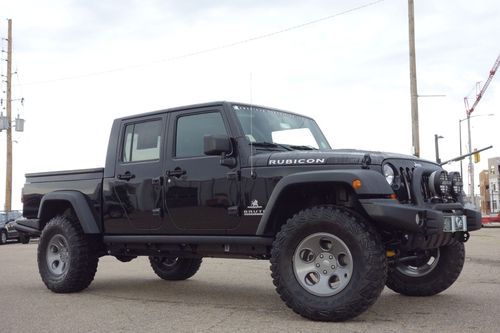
column 87, row 181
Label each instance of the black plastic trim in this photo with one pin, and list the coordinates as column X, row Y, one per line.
column 474, row 219
column 80, row 205
column 373, row 183
column 391, row 214
column 196, row 239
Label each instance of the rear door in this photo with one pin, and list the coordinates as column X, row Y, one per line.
column 135, row 201
column 201, row 194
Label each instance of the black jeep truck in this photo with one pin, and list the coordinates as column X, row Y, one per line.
column 233, row 180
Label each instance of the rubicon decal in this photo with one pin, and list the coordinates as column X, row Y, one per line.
column 254, row 209
column 297, row 161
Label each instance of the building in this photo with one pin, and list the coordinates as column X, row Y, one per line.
column 494, row 176
column 484, row 192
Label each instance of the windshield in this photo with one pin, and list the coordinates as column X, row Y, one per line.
column 266, row 126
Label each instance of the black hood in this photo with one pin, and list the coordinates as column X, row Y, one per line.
column 327, row 157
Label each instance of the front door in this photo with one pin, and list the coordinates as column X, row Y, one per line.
column 134, row 196
column 202, row 195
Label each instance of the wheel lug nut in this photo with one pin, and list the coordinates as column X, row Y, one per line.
column 321, row 256
column 317, row 265
column 324, row 272
column 331, row 257
column 333, row 266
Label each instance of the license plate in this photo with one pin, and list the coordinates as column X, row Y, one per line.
column 454, row 223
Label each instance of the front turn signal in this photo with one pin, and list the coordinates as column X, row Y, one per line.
column 356, row 184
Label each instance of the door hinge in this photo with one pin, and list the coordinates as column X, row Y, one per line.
column 233, row 211
column 157, row 212
column 157, row 181
column 233, row 175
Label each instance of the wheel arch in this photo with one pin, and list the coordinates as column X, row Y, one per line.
column 298, row 191
column 68, row 203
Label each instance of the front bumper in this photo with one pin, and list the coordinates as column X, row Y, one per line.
column 429, row 220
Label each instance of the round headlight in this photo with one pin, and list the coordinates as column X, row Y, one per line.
column 389, row 173
column 439, row 183
column 457, row 183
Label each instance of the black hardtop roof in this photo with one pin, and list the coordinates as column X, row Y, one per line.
column 204, row 105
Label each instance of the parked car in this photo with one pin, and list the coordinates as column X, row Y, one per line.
column 7, row 230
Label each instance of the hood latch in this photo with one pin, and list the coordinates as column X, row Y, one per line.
column 366, row 161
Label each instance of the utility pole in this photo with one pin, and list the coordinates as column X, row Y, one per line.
column 8, row 178
column 471, row 165
column 413, row 82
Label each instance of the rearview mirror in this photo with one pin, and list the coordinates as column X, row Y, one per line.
column 216, row 144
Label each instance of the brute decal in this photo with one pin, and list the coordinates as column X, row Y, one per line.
column 254, row 209
column 297, row 161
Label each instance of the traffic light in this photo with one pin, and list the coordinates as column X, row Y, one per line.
column 477, row 157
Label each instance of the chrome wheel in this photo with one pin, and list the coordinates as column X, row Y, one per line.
column 323, row 265
column 4, row 237
column 57, row 255
column 422, row 267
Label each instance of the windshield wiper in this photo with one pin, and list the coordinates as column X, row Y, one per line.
column 270, row 145
column 302, row 147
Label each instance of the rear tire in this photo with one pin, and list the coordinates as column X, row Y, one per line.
column 175, row 269
column 428, row 278
column 123, row 258
column 67, row 258
column 328, row 264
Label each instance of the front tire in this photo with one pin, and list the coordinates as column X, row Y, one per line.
column 67, row 259
column 175, row 269
column 328, row 264
column 431, row 275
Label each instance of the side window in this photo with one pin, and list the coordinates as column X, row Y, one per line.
column 142, row 141
column 191, row 130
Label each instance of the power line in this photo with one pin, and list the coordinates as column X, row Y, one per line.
column 212, row 49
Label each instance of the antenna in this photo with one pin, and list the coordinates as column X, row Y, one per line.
column 251, row 126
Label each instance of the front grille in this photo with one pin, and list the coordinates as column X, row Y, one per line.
column 405, row 177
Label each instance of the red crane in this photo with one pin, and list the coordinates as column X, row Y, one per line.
column 468, row 111
column 483, row 90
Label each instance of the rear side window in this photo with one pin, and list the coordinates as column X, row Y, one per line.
column 191, row 130
column 142, row 141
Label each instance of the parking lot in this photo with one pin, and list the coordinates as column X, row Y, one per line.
column 233, row 295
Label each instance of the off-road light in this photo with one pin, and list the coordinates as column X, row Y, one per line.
column 388, row 173
column 457, row 183
column 439, row 183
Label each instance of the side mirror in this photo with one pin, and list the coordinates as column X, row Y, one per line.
column 216, row 144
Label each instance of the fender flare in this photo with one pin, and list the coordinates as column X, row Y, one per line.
column 80, row 205
column 373, row 183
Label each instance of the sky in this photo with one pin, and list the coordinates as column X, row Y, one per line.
column 81, row 64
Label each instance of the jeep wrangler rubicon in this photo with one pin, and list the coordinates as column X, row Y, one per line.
column 242, row 181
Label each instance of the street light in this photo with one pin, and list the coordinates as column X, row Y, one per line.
column 471, row 170
column 436, row 143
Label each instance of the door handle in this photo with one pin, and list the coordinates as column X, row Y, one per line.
column 177, row 172
column 126, row 176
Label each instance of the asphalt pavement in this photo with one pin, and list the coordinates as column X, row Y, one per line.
column 229, row 295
